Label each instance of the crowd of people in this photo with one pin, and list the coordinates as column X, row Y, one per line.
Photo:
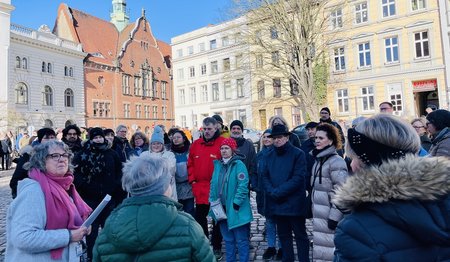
column 380, row 192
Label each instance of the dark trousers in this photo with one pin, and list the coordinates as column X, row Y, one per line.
column 188, row 206
column 201, row 212
column 98, row 222
column 285, row 226
column 5, row 161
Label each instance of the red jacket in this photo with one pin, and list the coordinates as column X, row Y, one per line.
column 201, row 167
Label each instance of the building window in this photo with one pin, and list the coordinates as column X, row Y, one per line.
column 277, row 87
column 147, row 112
column 95, row 108
column 201, row 47
column 418, row 4
column 227, row 90
column 18, row 62
column 212, row 44
column 137, row 86
column 180, row 73
column 215, row 91
column 294, row 87
column 194, row 120
column 155, row 112
column 21, row 94
column 396, row 97
column 278, row 111
column 238, row 61
column 181, row 97
column 339, row 59
column 275, row 58
column 71, row 71
column 155, row 88
column 192, row 71
column 68, row 98
column 422, row 45
column 259, row 61
column 47, row 96
column 225, row 41
column 24, row 63
column 183, row 120
column 164, row 112
column 44, row 67
column 193, row 95
column 66, row 71
column 388, row 7
column 342, row 100
column 240, row 87
column 126, row 110
column 204, row 93
column 261, row 90
column 214, row 67
column 368, row 100
column 226, row 64
column 364, row 55
column 391, row 47
column 237, row 37
column 190, row 50
column 125, row 84
column 273, row 32
column 163, row 90
column 336, row 18
column 203, row 69
column 49, row 68
column 361, row 13
column 180, row 53
column 296, row 116
column 138, row 111
column 48, row 123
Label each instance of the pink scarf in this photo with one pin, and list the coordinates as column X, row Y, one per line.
column 62, row 210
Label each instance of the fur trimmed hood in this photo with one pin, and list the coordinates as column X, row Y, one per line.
column 424, row 179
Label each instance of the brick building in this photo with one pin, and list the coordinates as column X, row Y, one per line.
column 127, row 70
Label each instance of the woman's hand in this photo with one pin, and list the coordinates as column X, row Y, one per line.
column 78, row 234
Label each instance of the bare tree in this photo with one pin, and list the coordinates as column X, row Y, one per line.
column 287, row 47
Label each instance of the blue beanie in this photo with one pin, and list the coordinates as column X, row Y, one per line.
column 158, row 135
column 268, row 130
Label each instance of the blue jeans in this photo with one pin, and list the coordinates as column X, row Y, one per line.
column 236, row 237
column 271, row 233
column 188, row 206
column 286, row 225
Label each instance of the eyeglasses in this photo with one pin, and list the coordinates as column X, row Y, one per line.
column 418, row 127
column 57, row 156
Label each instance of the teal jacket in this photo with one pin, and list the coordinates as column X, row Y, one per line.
column 151, row 228
column 235, row 190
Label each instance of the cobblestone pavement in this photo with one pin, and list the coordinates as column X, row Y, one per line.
column 258, row 240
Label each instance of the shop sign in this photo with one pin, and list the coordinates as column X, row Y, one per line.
column 424, row 85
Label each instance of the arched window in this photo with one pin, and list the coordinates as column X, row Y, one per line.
column 47, row 96
column 44, row 67
column 21, row 94
column 68, row 98
column 17, row 62
column 48, row 123
column 66, row 71
column 49, row 68
column 24, row 63
column 71, row 71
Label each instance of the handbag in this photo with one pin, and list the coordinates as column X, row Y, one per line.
column 218, row 211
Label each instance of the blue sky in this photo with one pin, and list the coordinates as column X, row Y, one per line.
column 168, row 18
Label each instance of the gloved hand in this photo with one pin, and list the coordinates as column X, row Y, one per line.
column 332, row 224
column 236, row 207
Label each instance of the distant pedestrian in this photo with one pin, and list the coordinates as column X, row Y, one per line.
column 279, row 120
column 386, row 107
column 121, row 144
column 139, row 143
column 439, row 128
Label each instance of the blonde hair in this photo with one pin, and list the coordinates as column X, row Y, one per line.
column 281, row 118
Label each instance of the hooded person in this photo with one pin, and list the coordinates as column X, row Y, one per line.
column 229, row 188
column 98, row 172
column 325, row 117
column 150, row 224
column 397, row 202
column 439, row 128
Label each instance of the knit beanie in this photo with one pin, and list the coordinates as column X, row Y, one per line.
column 158, row 135
column 439, row 118
column 229, row 142
column 45, row 132
column 109, row 131
column 218, row 118
column 96, row 131
column 237, row 123
column 267, row 131
column 326, row 109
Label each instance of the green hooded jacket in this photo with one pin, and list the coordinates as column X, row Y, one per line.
column 151, row 228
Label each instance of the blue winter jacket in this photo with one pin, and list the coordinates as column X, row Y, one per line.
column 284, row 181
column 400, row 211
column 235, row 190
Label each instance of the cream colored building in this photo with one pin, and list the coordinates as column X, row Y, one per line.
column 387, row 50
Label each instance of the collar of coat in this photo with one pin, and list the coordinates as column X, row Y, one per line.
column 424, row 179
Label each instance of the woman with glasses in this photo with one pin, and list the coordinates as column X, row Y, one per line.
column 98, row 171
column 419, row 124
column 139, row 143
column 44, row 221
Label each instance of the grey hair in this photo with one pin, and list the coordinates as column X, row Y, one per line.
column 422, row 120
column 388, row 130
column 40, row 152
column 146, row 175
column 209, row 120
column 358, row 120
column 281, row 118
column 120, row 127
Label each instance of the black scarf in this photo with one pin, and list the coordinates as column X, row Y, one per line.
column 239, row 141
column 180, row 148
column 92, row 161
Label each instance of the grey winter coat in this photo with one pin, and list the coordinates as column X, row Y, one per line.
column 328, row 172
column 440, row 145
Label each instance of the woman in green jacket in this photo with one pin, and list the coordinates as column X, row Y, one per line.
column 229, row 188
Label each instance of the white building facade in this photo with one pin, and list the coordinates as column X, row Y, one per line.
column 211, row 76
column 46, row 80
